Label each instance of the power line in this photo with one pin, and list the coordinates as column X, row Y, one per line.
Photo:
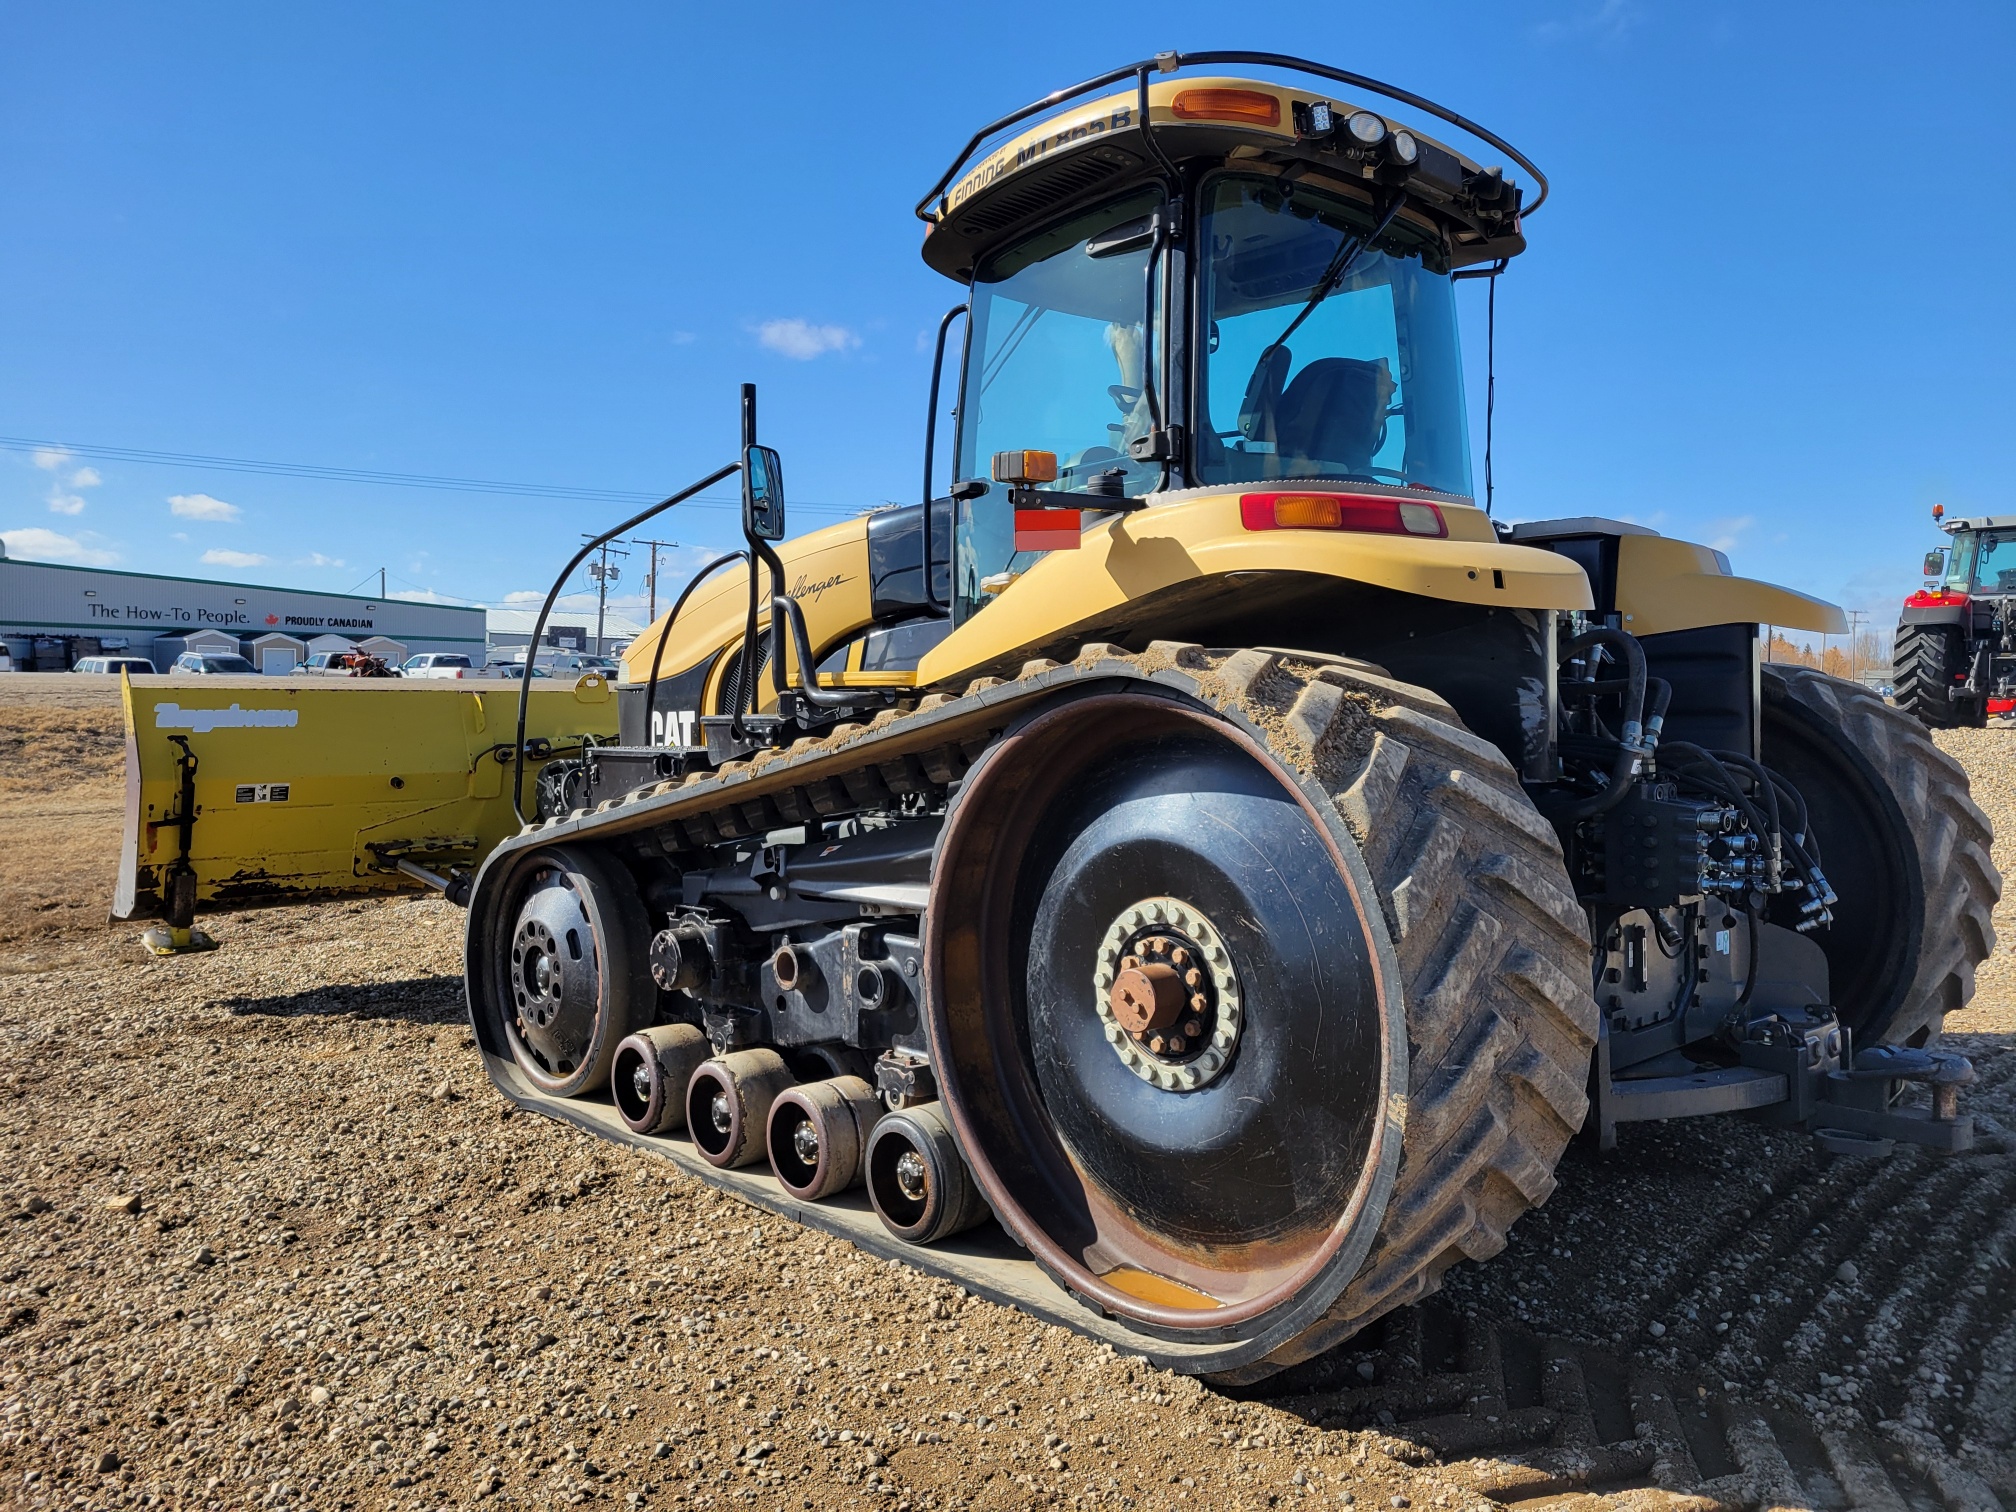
column 372, row 477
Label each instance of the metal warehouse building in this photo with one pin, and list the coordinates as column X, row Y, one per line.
column 51, row 615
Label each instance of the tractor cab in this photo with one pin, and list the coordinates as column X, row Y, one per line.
column 1258, row 288
column 1981, row 562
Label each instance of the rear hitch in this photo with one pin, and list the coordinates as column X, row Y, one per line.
column 1861, row 1111
column 1797, row 1068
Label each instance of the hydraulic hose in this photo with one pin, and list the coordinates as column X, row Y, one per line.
column 1632, row 748
column 1632, row 655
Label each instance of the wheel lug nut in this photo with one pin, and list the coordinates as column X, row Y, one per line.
column 1176, row 1044
column 1193, row 978
column 1129, row 963
column 1198, row 1003
column 1193, row 1027
column 1157, row 1043
column 1179, row 957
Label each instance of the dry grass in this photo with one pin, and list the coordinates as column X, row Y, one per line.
column 62, row 787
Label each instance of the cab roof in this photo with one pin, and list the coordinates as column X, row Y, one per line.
column 1080, row 150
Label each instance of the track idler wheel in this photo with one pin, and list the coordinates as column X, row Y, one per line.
column 653, row 1067
column 728, row 1105
column 818, row 1134
column 570, row 977
column 917, row 1180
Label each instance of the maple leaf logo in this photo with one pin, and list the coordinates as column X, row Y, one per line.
column 272, row 619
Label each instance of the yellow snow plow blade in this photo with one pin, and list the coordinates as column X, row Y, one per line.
column 307, row 786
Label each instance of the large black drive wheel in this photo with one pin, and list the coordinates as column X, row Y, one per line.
column 1257, row 1005
column 567, row 976
column 1924, row 662
column 1901, row 841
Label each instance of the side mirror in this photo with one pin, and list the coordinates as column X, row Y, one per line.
column 762, row 494
column 1935, row 563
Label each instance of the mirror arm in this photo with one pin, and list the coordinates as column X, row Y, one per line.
column 546, row 609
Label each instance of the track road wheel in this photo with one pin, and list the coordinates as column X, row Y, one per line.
column 571, row 980
column 918, row 1183
column 818, row 1134
column 1255, row 1009
column 649, row 1077
column 1903, row 844
column 728, row 1105
column 1924, row 663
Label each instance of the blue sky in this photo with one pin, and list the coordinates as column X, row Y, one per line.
column 543, row 244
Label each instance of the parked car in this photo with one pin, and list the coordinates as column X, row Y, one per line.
column 437, row 664
column 137, row 665
column 510, row 669
column 211, row 662
column 348, row 664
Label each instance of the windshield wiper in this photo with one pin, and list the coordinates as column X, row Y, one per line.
column 1333, row 276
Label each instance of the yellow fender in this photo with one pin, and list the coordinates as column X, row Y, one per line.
column 1665, row 585
column 1133, row 557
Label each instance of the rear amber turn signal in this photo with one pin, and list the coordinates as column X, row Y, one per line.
column 1249, row 107
column 1288, row 511
column 1025, row 467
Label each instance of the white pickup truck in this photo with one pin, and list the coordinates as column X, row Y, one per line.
column 438, row 664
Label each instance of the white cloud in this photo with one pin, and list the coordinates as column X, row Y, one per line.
column 423, row 596
column 1606, row 20
column 201, row 507
column 86, row 477
column 65, row 503
column 802, row 340
column 316, row 559
column 39, row 545
column 525, row 596
column 683, row 338
column 217, row 558
column 1726, row 534
column 49, row 458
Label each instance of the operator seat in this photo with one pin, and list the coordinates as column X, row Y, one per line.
column 1333, row 416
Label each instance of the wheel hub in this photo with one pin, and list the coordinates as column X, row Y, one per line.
column 555, row 977
column 805, row 1143
column 1166, row 994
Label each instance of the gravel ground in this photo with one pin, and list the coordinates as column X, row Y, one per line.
column 271, row 1239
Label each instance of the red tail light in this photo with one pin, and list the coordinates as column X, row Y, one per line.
column 1306, row 511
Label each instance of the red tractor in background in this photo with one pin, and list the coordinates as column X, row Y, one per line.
column 1954, row 663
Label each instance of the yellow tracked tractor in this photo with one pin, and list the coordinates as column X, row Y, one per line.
column 1196, row 835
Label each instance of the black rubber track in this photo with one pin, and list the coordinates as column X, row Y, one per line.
column 1492, row 949
column 1494, row 959
column 1901, row 841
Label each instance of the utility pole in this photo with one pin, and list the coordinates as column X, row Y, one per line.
column 381, row 584
column 604, row 575
column 651, row 579
column 1855, row 618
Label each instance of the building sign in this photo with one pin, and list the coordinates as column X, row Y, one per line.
column 136, row 615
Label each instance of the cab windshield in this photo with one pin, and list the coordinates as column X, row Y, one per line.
column 1983, row 563
column 1053, row 363
column 1368, row 388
